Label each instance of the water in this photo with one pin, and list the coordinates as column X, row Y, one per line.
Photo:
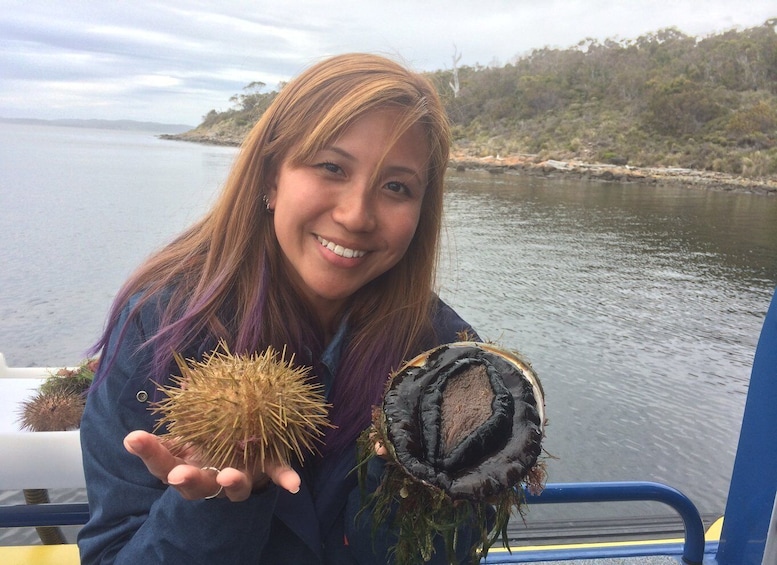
column 80, row 210
column 638, row 306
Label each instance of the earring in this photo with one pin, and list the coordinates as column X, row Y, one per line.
column 266, row 201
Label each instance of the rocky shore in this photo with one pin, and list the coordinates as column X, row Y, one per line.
column 207, row 139
column 532, row 165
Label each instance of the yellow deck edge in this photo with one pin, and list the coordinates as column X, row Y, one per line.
column 68, row 554
column 711, row 535
column 40, row 555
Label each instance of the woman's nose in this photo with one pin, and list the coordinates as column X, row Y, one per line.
column 355, row 208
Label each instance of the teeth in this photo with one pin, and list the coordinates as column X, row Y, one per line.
column 340, row 250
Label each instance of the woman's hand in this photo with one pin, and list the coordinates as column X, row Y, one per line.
column 195, row 482
column 380, row 449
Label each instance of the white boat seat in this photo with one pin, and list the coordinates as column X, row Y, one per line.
column 41, row 460
column 33, row 460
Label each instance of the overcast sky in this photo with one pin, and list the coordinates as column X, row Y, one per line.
column 172, row 60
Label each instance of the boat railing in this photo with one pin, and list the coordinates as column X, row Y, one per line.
column 38, row 515
column 691, row 550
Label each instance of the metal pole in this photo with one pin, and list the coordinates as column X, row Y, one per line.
column 754, row 477
column 770, row 551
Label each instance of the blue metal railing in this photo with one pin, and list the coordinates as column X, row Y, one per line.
column 32, row 515
column 555, row 493
column 692, row 551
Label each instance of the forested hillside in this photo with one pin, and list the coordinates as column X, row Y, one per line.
column 664, row 99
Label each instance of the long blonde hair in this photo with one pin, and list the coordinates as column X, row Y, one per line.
column 224, row 274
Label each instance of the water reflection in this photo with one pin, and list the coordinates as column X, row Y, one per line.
column 640, row 308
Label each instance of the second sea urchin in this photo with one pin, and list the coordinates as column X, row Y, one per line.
column 52, row 411
column 243, row 410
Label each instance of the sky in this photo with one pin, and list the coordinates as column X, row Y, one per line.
column 172, row 61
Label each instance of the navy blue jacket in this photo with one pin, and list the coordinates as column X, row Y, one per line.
column 137, row 519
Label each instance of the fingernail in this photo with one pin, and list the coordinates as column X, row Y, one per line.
column 294, row 491
column 129, row 447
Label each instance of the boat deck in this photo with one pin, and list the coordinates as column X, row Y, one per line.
column 68, row 555
column 647, row 560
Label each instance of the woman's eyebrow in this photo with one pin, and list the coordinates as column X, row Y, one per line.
column 396, row 169
column 399, row 169
column 342, row 152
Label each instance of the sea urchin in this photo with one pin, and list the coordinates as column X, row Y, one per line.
column 52, row 411
column 243, row 410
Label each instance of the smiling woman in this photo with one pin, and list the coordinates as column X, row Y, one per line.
column 349, row 215
column 322, row 246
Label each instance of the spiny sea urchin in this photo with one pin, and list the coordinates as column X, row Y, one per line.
column 59, row 402
column 243, row 410
column 52, row 411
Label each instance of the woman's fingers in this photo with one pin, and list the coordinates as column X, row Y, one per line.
column 285, row 477
column 194, row 482
column 238, row 485
column 190, row 480
column 156, row 456
column 380, row 449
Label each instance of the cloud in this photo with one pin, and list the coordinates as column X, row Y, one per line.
column 175, row 60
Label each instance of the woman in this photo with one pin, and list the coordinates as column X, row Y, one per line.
column 324, row 241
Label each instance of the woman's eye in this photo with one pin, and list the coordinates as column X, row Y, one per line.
column 331, row 167
column 398, row 187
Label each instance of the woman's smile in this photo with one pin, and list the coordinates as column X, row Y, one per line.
column 339, row 250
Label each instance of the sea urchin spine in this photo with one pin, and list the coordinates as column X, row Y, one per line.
column 243, row 410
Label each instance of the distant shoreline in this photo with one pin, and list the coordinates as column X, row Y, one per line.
column 124, row 125
column 203, row 139
column 549, row 168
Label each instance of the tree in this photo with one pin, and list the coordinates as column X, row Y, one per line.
column 246, row 102
column 679, row 107
column 454, row 84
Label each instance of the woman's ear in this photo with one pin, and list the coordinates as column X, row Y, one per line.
column 271, row 191
column 269, row 196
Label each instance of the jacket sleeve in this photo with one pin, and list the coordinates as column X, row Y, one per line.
column 134, row 517
column 449, row 327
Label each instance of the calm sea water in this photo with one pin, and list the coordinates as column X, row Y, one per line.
column 638, row 306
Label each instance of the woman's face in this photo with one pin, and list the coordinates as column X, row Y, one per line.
column 348, row 215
